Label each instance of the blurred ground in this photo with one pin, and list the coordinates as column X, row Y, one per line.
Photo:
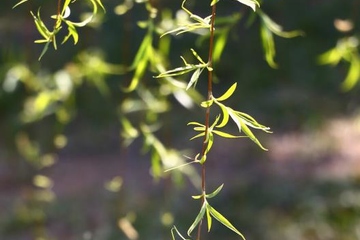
column 296, row 166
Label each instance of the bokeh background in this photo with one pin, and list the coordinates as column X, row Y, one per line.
column 67, row 175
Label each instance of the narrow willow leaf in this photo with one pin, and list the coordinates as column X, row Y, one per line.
column 46, row 47
column 216, row 192
column 220, row 43
column 250, row 3
column 225, row 135
column 197, row 196
column 276, row 28
column 65, row 6
column 196, row 123
column 146, row 42
column 208, row 219
column 197, row 136
column 225, row 115
column 41, row 27
column 72, row 33
column 199, row 129
column 139, row 72
column 219, row 217
column 249, row 133
column 19, row 3
column 268, row 45
column 228, row 93
column 180, row 166
column 353, row 74
column 332, row 57
column 198, row 218
column 194, row 78
column 210, row 142
column 197, row 56
column 206, row 104
column 101, row 5
column 82, row 23
column 250, row 121
column 213, row 2
column 236, row 119
column 178, row 233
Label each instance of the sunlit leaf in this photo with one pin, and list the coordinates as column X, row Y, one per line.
column 216, row 192
column 225, row 115
column 41, row 27
column 142, row 51
column 178, row 233
column 250, row 3
column 198, row 218
column 197, row 56
column 21, row 2
column 249, row 133
column 228, row 93
column 194, row 78
column 225, row 135
column 268, row 44
column 206, row 104
column 213, row 2
column 219, row 217
column 139, row 72
column 332, row 56
column 276, row 28
column 197, row 196
column 220, row 43
column 196, row 123
column 197, row 136
column 353, row 74
column 72, row 33
column 46, row 47
column 208, row 219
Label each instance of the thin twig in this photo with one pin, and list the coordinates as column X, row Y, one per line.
column 207, row 113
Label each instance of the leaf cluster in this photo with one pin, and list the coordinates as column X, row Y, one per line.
column 346, row 49
column 49, row 36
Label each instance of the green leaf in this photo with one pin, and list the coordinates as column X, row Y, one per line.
column 353, row 74
column 219, row 217
column 276, row 28
column 225, row 135
column 196, row 123
column 209, row 219
column 228, row 93
column 19, row 3
column 194, row 78
column 213, row 2
column 139, row 73
column 41, row 27
column 206, row 104
column 178, row 233
column 249, row 133
column 197, row 136
column 65, row 6
column 225, row 113
column 197, row 56
column 216, row 192
column 268, row 44
column 142, row 51
column 198, row 218
column 101, row 5
column 72, row 33
column 46, row 47
column 197, row 196
column 220, row 43
column 250, row 3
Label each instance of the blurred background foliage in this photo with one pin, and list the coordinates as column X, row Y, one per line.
column 68, row 170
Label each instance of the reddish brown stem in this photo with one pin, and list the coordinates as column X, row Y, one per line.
column 207, row 113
